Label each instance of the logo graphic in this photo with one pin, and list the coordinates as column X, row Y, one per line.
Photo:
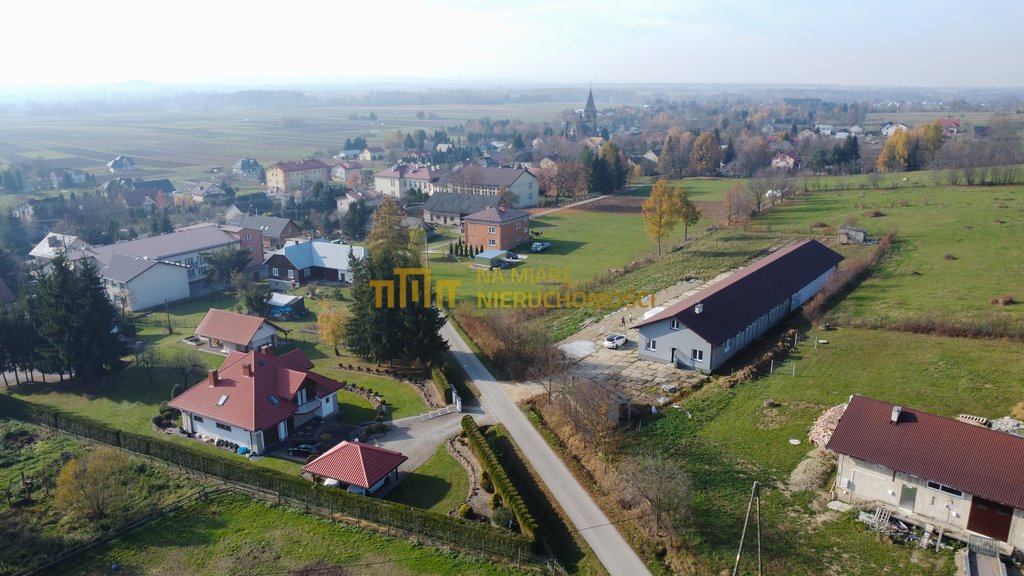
column 415, row 290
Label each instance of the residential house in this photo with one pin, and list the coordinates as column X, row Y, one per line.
column 498, row 227
column 519, row 183
column 136, row 283
column 340, row 172
column 704, row 330
column 449, row 209
column 67, row 178
column 257, row 399
column 890, row 128
column 250, row 239
column 371, row 198
column 852, row 235
column 232, row 332
column 53, row 244
column 120, row 164
column 396, row 180
column 247, row 167
column 357, row 467
column 824, row 129
column 301, row 262
column 296, row 178
column 856, row 130
column 780, row 146
column 207, row 191
column 806, row 134
column 950, row 126
column 958, row 477
column 784, row 161
column 275, row 231
column 185, row 247
column 141, row 193
column 350, row 154
column 371, row 153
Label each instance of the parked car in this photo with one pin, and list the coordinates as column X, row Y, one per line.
column 306, row 449
column 512, row 256
column 538, row 246
column 613, row 341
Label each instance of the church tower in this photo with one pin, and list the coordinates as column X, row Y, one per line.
column 590, row 114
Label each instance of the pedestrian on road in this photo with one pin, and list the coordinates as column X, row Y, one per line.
column 623, row 321
column 630, row 318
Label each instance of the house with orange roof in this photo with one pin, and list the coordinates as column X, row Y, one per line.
column 256, row 399
column 497, row 227
column 233, row 332
column 357, row 467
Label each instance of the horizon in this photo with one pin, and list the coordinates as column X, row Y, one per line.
column 913, row 44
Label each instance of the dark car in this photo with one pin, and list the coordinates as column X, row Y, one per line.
column 306, row 449
column 512, row 256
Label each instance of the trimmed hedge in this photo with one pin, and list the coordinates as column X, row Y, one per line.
column 499, row 477
column 441, row 383
column 464, row 534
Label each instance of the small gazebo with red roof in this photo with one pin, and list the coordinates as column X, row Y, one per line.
column 362, row 468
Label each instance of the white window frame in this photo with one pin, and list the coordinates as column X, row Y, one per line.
column 697, row 355
column 519, row 225
column 491, row 242
column 490, row 230
column 305, row 273
column 291, row 274
column 651, row 344
column 274, row 272
column 673, row 324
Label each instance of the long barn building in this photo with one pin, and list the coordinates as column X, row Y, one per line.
column 703, row 331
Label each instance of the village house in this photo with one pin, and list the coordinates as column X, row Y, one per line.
column 248, row 238
column 932, row 471
column 950, row 126
column 121, row 163
column 137, row 283
column 274, row 231
column 67, row 178
column 371, row 198
column 703, row 331
column 53, row 244
column 256, row 399
column 522, row 186
column 233, row 332
column 497, row 228
column 449, row 209
column 890, row 128
column 357, row 467
column 312, row 260
column 296, row 178
column 371, row 153
column 340, row 172
column 784, row 161
column 247, row 167
column 395, row 181
column 207, row 191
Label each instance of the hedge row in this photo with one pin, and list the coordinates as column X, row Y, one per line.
column 461, row 533
column 499, row 477
column 441, row 383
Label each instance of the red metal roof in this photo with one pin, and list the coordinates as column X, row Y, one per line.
column 248, row 404
column 230, row 326
column 356, row 463
column 749, row 293
column 970, row 458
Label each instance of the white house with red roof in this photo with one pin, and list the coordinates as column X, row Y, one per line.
column 256, row 399
column 234, row 332
column 360, row 468
column 927, row 469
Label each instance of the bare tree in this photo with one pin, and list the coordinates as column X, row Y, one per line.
column 665, row 486
column 187, row 364
column 588, row 406
column 468, row 177
column 148, row 359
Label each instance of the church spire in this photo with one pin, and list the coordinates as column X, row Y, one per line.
column 590, row 103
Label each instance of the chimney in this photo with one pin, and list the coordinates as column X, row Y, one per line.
column 895, row 417
column 247, row 370
column 214, row 377
column 267, row 350
column 698, row 308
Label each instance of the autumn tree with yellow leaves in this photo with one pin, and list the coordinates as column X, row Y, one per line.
column 662, row 211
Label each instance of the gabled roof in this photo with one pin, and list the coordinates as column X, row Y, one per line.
column 461, row 204
column 407, row 172
column 320, row 253
column 356, row 463
column 963, row 456
column 256, row 397
column 271, row 226
column 161, row 247
column 124, row 268
column 163, row 185
column 296, row 165
column 53, row 244
column 732, row 304
column 207, row 189
column 948, row 123
column 497, row 215
column 230, row 326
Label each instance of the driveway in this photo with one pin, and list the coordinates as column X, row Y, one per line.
column 602, row 536
column 419, row 439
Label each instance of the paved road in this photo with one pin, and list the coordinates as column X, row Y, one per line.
column 611, row 548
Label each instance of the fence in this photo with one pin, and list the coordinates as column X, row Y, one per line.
column 458, row 533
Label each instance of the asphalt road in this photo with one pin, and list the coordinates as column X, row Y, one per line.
column 606, row 541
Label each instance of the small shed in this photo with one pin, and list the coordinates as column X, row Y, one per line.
column 852, row 235
column 285, row 306
column 490, row 258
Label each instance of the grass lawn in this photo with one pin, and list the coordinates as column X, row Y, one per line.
column 234, row 535
column 439, row 485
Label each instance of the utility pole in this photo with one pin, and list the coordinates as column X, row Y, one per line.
column 755, row 495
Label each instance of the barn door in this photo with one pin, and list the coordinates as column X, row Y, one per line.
column 990, row 518
column 908, row 496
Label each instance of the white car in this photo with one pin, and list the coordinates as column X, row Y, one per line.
column 614, row 341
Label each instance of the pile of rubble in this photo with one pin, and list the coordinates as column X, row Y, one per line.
column 825, row 425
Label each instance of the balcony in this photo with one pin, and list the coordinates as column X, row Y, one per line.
column 307, row 407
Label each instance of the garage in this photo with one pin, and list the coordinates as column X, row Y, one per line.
column 990, row 518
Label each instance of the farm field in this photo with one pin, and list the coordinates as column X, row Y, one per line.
column 186, row 143
column 234, row 535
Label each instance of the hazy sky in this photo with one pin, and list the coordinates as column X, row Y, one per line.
column 863, row 42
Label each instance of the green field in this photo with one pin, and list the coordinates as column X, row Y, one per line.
column 234, row 535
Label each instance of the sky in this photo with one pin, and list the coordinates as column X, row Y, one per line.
column 952, row 43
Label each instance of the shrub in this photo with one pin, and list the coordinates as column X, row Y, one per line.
column 167, row 415
column 440, row 381
column 1004, row 300
column 485, row 482
column 497, row 475
column 495, row 501
column 311, row 457
column 503, row 517
column 949, row 257
column 465, row 511
column 158, row 420
column 177, row 390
